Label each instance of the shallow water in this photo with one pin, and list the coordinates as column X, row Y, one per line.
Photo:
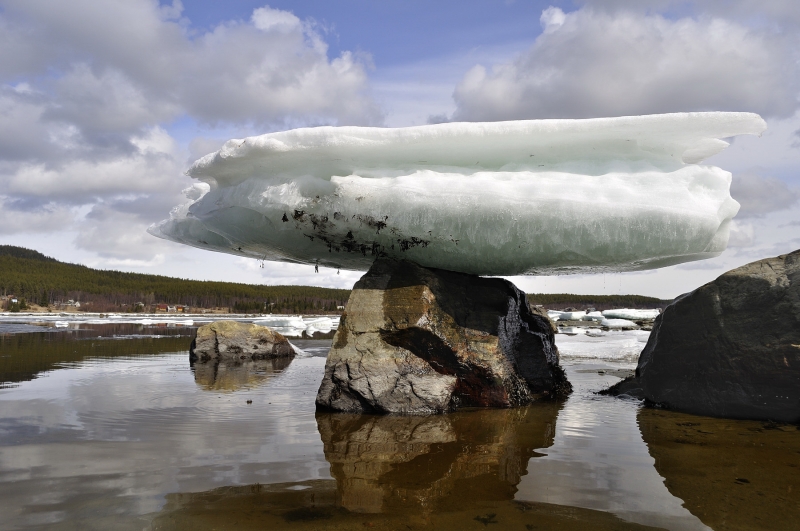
column 98, row 433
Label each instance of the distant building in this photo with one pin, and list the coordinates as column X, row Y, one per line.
column 161, row 307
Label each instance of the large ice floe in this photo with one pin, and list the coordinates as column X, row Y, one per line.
column 501, row 198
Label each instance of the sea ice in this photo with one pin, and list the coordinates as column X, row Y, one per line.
column 634, row 315
column 500, row 198
column 618, row 323
column 571, row 316
column 617, row 345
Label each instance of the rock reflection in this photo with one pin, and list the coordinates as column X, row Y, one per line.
column 232, row 375
column 383, row 462
column 448, row 472
column 731, row 474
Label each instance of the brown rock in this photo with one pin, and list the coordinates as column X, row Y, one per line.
column 238, row 341
column 418, row 340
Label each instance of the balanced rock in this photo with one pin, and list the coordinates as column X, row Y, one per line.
column 417, row 340
column 234, row 340
column 731, row 348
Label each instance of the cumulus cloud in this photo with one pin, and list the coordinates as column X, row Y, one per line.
column 117, row 233
column 87, row 88
column 769, row 12
column 590, row 63
column 761, row 195
column 115, row 67
column 152, row 166
column 741, row 235
column 23, row 217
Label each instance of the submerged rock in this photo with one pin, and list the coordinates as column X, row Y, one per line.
column 731, row 348
column 418, row 340
column 238, row 341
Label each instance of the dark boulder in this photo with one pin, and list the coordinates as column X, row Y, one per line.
column 418, row 340
column 731, row 348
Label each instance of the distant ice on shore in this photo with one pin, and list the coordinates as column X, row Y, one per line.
column 620, row 318
column 290, row 325
column 630, row 314
column 623, row 346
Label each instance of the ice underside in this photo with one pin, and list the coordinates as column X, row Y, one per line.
column 502, row 198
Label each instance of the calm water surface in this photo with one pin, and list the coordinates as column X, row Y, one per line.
column 109, row 427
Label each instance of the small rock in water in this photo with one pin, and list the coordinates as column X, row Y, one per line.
column 234, row 340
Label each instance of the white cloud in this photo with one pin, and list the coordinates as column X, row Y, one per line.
column 106, row 102
column 20, row 217
column 761, row 195
column 552, row 18
column 117, row 230
column 761, row 12
column 89, row 87
column 598, row 63
column 112, row 69
column 268, row 19
column 741, row 235
column 152, row 167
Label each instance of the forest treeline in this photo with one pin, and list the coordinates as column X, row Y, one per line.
column 560, row 301
column 42, row 280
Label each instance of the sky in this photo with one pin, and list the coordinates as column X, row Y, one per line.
column 104, row 104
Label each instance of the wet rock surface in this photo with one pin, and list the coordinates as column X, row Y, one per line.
column 416, row 340
column 731, row 348
column 231, row 340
